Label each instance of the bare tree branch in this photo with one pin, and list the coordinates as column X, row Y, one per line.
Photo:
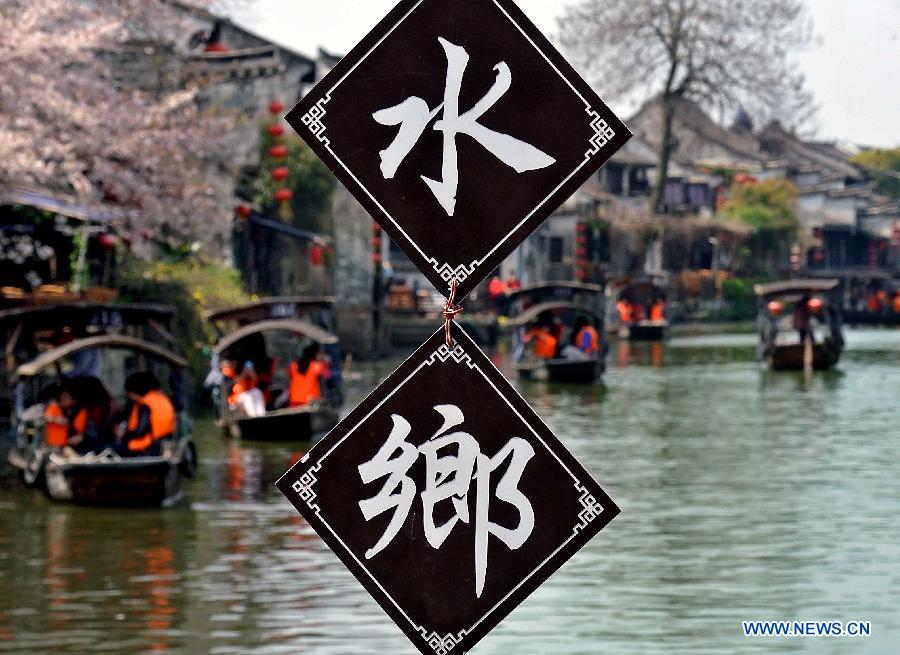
column 723, row 54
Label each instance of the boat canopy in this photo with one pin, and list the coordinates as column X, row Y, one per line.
column 272, row 308
column 296, row 326
column 82, row 313
column 535, row 311
column 653, row 285
column 107, row 342
column 795, row 286
column 542, row 287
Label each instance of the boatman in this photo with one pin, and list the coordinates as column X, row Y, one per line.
column 587, row 340
column 151, row 420
column 306, row 374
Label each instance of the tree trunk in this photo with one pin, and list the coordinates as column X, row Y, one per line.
column 665, row 151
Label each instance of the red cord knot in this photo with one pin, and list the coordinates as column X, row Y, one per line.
column 451, row 311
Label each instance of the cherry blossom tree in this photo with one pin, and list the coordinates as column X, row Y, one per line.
column 71, row 119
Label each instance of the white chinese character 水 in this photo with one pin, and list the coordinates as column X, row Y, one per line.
column 413, row 115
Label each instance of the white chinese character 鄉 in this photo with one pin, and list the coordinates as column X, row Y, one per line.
column 413, row 116
column 448, row 477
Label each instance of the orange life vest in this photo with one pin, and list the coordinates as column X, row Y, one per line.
column 237, row 389
column 626, row 312
column 305, row 387
column 163, row 420
column 544, row 343
column 897, row 304
column 80, row 422
column 593, row 346
column 658, row 311
column 496, row 288
column 57, row 432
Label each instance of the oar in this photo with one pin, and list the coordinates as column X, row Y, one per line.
column 808, row 354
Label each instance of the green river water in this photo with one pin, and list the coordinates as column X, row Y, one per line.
column 744, row 494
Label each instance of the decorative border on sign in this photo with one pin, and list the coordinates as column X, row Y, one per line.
column 304, row 487
column 591, row 509
column 448, row 272
column 441, row 645
column 602, row 134
column 313, row 119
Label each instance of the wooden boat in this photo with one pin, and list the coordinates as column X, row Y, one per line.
column 647, row 330
column 582, row 369
column 248, row 343
column 105, row 478
column 641, row 292
column 30, row 330
column 779, row 346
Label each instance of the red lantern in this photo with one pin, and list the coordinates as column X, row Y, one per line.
column 284, row 195
column 775, row 308
column 276, row 107
column 276, row 129
column 581, row 227
column 315, row 255
column 243, row 211
column 816, row 305
column 281, row 173
column 278, row 151
column 215, row 46
column 107, row 241
column 580, row 252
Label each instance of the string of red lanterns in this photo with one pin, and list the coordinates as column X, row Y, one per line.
column 278, row 151
column 581, row 252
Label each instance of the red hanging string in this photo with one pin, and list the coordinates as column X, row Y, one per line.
column 451, row 311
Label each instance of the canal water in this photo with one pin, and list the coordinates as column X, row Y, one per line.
column 744, row 494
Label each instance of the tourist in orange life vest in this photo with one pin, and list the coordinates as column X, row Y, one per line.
column 55, row 415
column 585, row 337
column 658, row 310
column 497, row 292
column 246, row 397
column 545, row 344
column 306, row 375
column 152, row 417
column 897, row 303
column 626, row 311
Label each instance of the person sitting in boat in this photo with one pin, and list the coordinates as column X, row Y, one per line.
column 658, row 310
column 544, row 344
column 585, row 337
column 151, row 420
column 626, row 311
column 246, row 398
column 56, row 418
column 498, row 294
column 306, row 375
column 637, row 312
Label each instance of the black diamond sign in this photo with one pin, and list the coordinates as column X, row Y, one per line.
column 460, row 129
column 447, row 497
